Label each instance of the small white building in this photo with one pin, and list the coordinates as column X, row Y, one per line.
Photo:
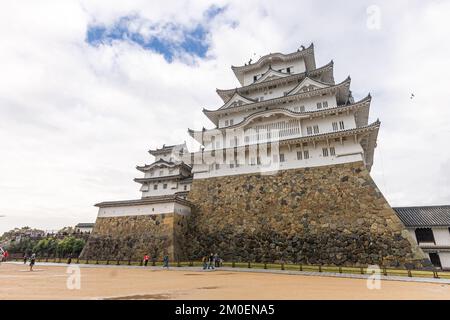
column 84, row 227
column 164, row 187
column 430, row 227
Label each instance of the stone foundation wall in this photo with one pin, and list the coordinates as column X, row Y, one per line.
column 323, row 215
column 131, row 237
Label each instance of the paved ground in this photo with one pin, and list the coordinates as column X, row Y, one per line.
column 49, row 281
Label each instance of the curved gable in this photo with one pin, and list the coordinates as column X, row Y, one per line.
column 236, row 100
column 271, row 75
column 307, row 84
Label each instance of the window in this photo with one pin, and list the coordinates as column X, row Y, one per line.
column 252, row 161
column 152, row 173
column 332, row 151
column 325, row 152
column 231, row 165
column 261, row 99
column 288, row 70
column 161, row 172
column 306, row 154
column 155, row 187
column 316, row 129
column 309, row 130
column 325, row 104
column 435, row 260
column 255, row 78
column 302, row 108
column 226, row 123
column 319, row 105
column 424, row 235
column 171, row 170
column 335, row 126
column 285, row 93
column 217, row 166
column 213, row 153
column 275, row 158
column 296, row 109
column 185, row 187
column 165, row 186
column 231, row 122
column 282, row 157
column 299, row 155
column 341, row 125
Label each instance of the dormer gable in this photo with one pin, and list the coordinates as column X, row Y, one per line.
column 307, row 84
column 271, row 75
column 237, row 100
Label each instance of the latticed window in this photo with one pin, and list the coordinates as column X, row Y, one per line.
column 424, row 235
column 282, row 159
column 319, row 105
column 341, row 125
column 335, row 126
column 302, row 108
column 325, row 152
column 316, row 129
column 306, row 154
column 325, row 104
column 309, row 130
column 332, row 151
column 299, row 155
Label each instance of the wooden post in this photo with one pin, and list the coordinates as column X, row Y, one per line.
column 249, row 265
column 282, row 266
column 107, row 261
column 320, row 268
column 361, row 270
column 265, row 265
column 301, row 267
column 340, row 269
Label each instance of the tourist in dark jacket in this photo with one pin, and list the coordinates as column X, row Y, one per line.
column 211, row 261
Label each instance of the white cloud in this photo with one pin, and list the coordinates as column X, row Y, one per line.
column 76, row 119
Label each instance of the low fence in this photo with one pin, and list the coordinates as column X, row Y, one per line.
column 387, row 271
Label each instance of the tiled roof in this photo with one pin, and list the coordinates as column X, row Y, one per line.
column 430, row 216
column 85, row 225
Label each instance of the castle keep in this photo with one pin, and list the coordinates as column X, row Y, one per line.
column 282, row 176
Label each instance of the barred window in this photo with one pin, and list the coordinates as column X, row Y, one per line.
column 341, row 125
column 155, row 187
column 316, row 129
column 306, row 154
column 319, row 105
column 332, row 151
column 302, row 108
column 325, row 152
column 282, row 157
column 299, row 155
column 325, row 104
column 309, row 130
column 424, row 235
column 165, row 186
column 335, row 126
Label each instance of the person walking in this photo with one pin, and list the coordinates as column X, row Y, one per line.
column 166, row 262
column 6, row 255
column 25, row 258
column 211, row 261
column 216, row 260
column 32, row 261
column 205, row 262
column 146, row 257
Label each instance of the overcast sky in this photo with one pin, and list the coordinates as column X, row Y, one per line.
column 87, row 87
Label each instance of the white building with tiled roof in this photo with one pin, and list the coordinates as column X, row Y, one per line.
column 430, row 227
column 287, row 114
column 164, row 186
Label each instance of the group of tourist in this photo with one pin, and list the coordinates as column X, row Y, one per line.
column 165, row 261
column 212, row 261
column 32, row 260
column 209, row 262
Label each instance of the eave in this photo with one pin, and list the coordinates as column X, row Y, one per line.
column 245, row 90
column 151, row 179
column 144, row 201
